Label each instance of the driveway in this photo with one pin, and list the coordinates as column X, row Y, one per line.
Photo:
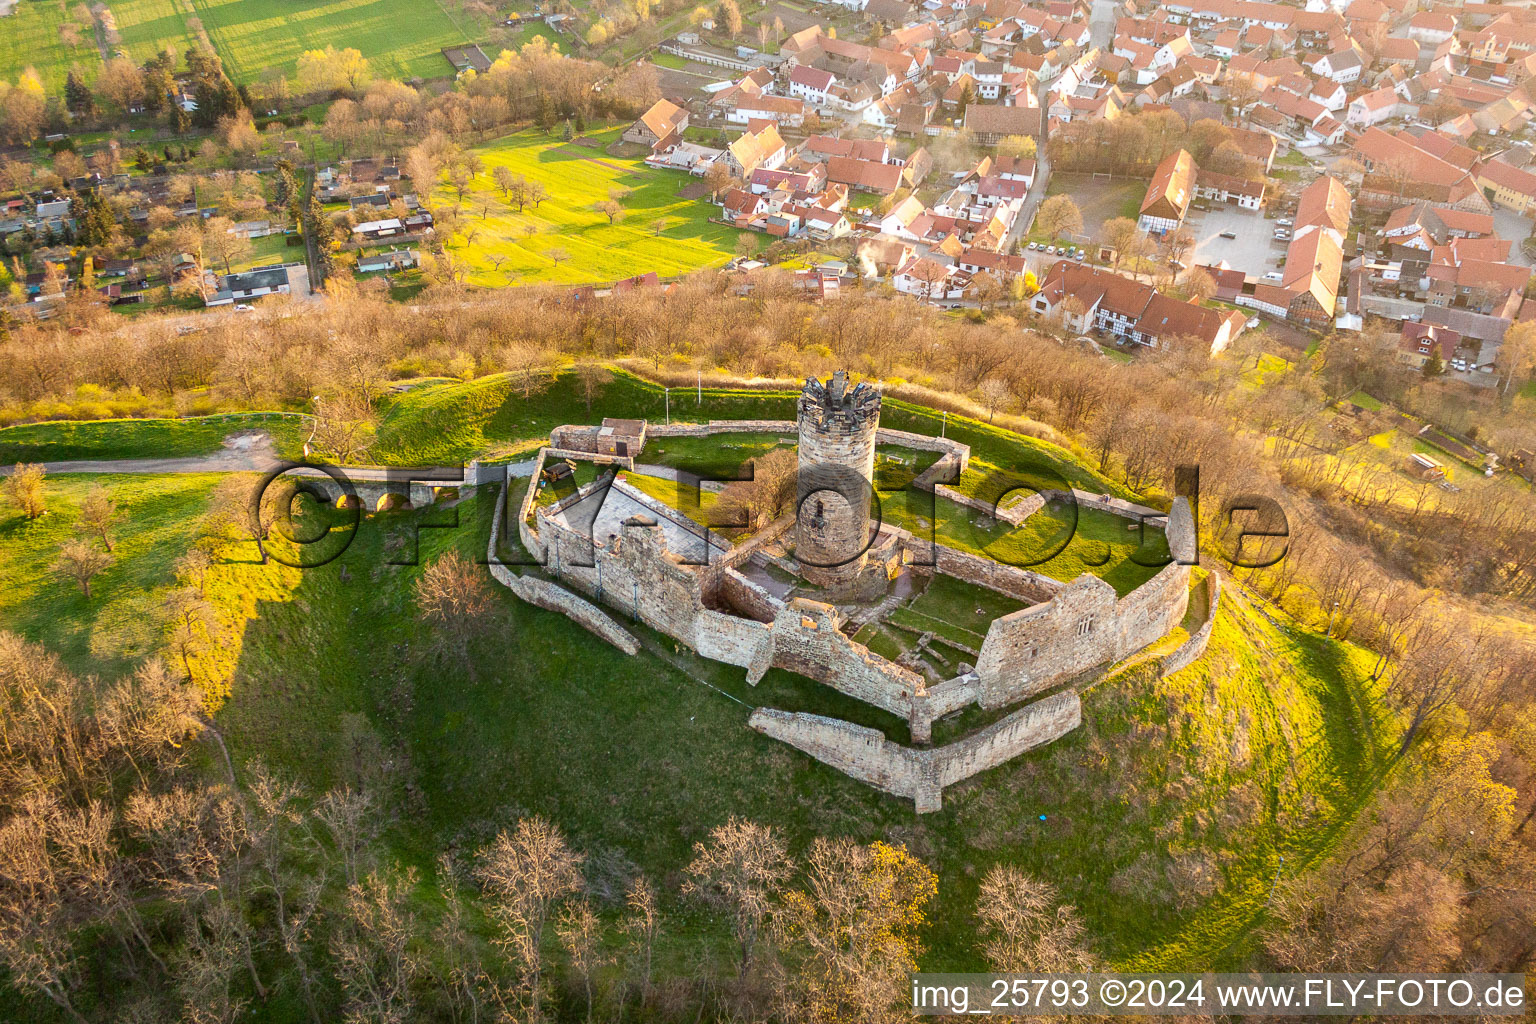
column 1509, row 224
column 1253, row 250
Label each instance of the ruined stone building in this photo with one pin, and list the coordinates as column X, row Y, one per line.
column 610, row 545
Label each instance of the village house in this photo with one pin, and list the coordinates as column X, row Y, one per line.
column 1168, row 194
column 1420, row 341
column 658, row 124
column 1088, row 298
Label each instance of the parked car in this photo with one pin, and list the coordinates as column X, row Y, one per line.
column 1253, row 322
column 1080, row 255
column 1274, row 275
column 1050, row 250
column 1034, row 245
column 1229, row 234
column 1285, row 222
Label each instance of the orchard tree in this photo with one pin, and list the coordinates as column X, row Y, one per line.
column 24, row 486
column 99, row 513
column 81, row 561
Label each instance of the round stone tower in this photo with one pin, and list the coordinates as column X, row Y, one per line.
column 836, row 477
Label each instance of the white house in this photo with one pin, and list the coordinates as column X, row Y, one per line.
column 812, row 85
column 1342, row 66
column 1374, row 107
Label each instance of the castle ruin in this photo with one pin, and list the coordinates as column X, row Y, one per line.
column 834, row 487
column 611, row 545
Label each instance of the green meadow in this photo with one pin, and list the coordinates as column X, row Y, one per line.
column 566, row 239
column 401, row 39
column 29, row 38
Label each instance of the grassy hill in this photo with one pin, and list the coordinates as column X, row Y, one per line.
column 1165, row 817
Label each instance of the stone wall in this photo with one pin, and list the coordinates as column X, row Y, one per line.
column 1005, row 579
column 784, row 427
column 735, row 591
column 556, row 598
column 806, row 639
column 732, row 639
column 926, row 443
column 1032, row 726
column 1083, row 626
column 1012, row 512
column 553, row 597
column 1195, row 646
column 919, row 775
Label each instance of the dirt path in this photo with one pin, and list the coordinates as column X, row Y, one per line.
column 248, row 452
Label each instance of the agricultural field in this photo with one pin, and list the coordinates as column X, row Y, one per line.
column 566, row 239
column 150, row 26
column 29, row 38
column 401, row 39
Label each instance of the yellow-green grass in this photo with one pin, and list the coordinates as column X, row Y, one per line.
column 576, row 178
column 66, row 440
column 693, row 502
column 1056, row 541
column 29, row 37
column 400, row 39
column 269, row 250
column 1365, row 401
column 122, row 622
column 150, row 26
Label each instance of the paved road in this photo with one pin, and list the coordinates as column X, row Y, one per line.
column 1042, row 181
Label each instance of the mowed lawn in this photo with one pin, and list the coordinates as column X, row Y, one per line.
column 29, row 37
column 400, row 38
column 149, row 26
column 576, row 178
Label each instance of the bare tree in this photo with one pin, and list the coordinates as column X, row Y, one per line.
column 192, row 626
column 530, row 367
column 345, row 428
column 99, row 512
column 770, row 493
column 580, row 934
column 525, row 874
column 1124, row 237
column 1022, row 922
column 610, row 208
column 642, row 923
column 851, row 934
column 349, row 816
column 592, row 378
column 192, row 569
column 741, row 872
column 374, row 962
column 452, row 597
column 1059, row 215
column 81, row 561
